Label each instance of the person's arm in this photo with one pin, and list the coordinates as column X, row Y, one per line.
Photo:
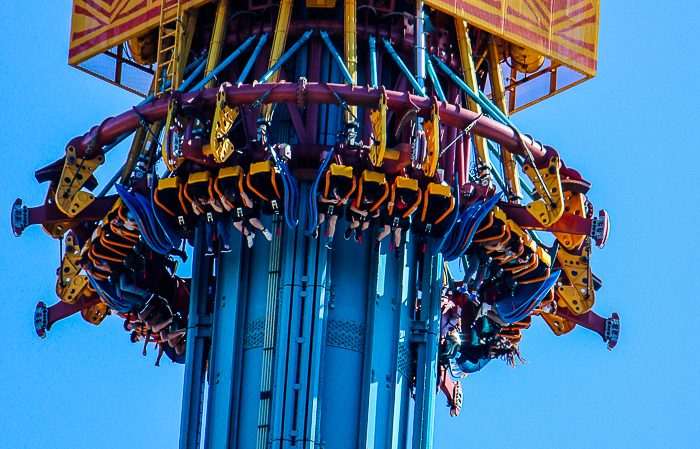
column 195, row 207
column 216, row 205
column 246, row 199
column 358, row 211
column 225, row 203
column 323, row 199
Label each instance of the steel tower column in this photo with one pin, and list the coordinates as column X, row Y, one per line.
column 312, row 347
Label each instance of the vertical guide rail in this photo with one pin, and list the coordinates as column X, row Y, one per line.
column 469, row 70
column 316, row 281
column 285, row 387
column 368, row 431
column 198, row 332
column 223, row 350
column 510, row 164
column 426, row 335
column 269, row 341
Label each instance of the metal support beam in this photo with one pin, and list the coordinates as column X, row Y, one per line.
column 510, row 165
column 350, row 41
column 469, row 73
column 279, row 41
column 253, row 58
column 198, row 335
column 219, row 422
column 217, row 39
column 409, row 76
column 426, row 335
column 373, row 62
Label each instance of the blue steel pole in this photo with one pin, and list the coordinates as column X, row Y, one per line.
column 404, row 69
column 232, row 57
column 336, row 57
column 198, row 329
column 435, row 80
column 373, row 61
column 253, row 58
column 305, row 37
column 220, row 401
column 488, row 106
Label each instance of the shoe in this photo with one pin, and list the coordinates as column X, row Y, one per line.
column 315, row 233
column 457, row 398
column 267, row 234
column 210, row 252
column 348, row 233
column 227, row 249
column 250, row 238
column 397, row 253
column 329, row 244
column 375, row 246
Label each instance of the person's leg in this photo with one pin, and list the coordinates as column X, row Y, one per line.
column 386, row 231
column 210, row 237
column 472, row 267
column 258, row 224
column 222, row 228
column 331, row 226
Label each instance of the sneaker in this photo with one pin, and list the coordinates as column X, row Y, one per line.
column 329, row 244
column 267, row 234
column 348, row 233
column 315, row 233
column 227, row 249
column 210, row 252
column 250, row 238
column 375, row 246
column 397, row 253
column 358, row 235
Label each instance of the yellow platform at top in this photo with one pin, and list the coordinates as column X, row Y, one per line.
column 566, row 31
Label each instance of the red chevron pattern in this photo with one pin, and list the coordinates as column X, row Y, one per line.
column 99, row 25
column 564, row 30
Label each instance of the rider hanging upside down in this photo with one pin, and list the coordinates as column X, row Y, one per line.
column 214, row 213
column 372, row 191
column 338, row 185
column 405, row 198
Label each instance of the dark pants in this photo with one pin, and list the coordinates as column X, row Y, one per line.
column 222, row 229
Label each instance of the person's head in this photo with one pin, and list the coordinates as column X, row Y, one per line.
column 85, row 262
column 230, row 193
column 509, row 352
column 200, row 195
column 369, row 197
column 136, row 337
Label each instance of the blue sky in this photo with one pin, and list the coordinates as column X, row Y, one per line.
column 631, row 131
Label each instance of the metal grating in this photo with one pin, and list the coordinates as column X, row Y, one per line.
column 405, row 362
column 346, row 334
column 254, row 334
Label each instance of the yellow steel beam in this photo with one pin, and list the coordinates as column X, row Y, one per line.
column 510, row 165
column 278, row 43
column 217, row 39
column 351, row 46
column 469, row 70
